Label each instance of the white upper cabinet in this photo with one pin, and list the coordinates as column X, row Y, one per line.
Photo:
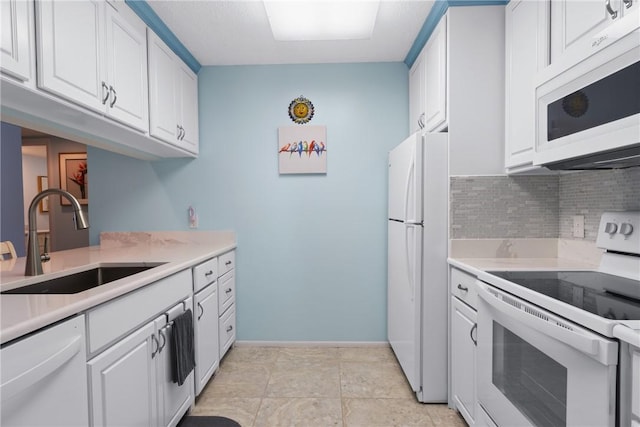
column 435, row 59
column 577, row 24
column 15, row 51
column 416, row 95
column 126, row 52
column 526, row 42
column 69, row 50
column 90, row 54
column 173, row 97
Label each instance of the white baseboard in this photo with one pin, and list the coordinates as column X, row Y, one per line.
column 243, row 343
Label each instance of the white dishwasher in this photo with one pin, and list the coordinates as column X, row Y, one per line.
column 43, row 378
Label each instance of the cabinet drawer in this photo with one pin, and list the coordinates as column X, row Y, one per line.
column 114, row 319
column 226, row 262
column 463, row 285
column 226, row 291
column 227, row 331
column 205, row 273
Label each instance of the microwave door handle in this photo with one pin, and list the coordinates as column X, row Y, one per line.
column 576, row 340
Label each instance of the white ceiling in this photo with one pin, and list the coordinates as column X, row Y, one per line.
column 237, row 32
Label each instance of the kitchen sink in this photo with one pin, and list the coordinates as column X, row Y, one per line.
column 78, row 282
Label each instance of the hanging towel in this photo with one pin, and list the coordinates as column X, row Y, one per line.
column 182, row 346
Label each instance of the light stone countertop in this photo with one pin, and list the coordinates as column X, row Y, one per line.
column 22, row 314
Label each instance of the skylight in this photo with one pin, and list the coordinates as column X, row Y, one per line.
column 298, row 20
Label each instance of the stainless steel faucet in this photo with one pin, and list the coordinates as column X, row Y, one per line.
column 34, row 262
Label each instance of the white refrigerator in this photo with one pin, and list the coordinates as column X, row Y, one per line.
column 417, row 262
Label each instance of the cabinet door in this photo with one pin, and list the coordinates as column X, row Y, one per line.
column 206, row 335
column 162, row 90
column 16, row 35
column 69, row 50
column 463, row 358
column 416, row 95
column 436, row 77
column 526, row 53
column 227, row 332
column 173, row 400
column 188, row 104
column 126, row 52
column 123, row 382
column 575, row 22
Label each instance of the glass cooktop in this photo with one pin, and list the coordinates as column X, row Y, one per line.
column 606, row 295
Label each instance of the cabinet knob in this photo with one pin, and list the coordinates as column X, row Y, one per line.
column 228, row 290
column 208, row 273
column 229, row 328
column 228, row 263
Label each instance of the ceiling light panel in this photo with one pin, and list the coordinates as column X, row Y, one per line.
column 304, row 20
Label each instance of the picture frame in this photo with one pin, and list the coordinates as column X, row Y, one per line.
column 74, row 177
column 43, row 184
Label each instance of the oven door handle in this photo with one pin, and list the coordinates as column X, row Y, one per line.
column 575, row 339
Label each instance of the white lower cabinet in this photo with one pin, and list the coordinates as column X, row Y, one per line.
column 43, row 378
column 463, row 358
column 123, row 382
column 226, row 308
column 206, row 335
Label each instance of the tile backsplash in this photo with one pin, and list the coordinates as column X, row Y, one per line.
column 484, row 207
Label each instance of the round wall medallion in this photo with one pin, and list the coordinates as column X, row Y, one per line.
column 301, row 110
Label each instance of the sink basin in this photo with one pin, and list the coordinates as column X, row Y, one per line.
column 78, row 282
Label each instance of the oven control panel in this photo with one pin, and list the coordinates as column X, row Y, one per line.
column 620, row 231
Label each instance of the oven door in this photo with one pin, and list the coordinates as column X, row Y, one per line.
column 537, row 369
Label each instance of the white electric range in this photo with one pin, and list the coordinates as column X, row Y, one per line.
column 549, row 348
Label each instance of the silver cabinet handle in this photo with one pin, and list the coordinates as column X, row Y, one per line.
column 164, row 339
column 474, row 328
column 613, row 13
column 463, row 288
column 228, row 290
column 113, row 92
column 627, row 3
column 201, row 311
column 105, row 96
column 155, row 341
column 229, row 328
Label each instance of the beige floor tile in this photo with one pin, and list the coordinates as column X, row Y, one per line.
column 242, row 410
column 373, row 380
column 385, row 412
column 239, row 380
column 307, row 412
column 366, row 354
column 256, row 355
column 309, row 354
column 442, row 415
column 313, row 379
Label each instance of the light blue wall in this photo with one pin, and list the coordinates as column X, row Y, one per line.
column 311, row 259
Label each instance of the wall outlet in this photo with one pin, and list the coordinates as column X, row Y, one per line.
column 578, row 226
column 193, row 217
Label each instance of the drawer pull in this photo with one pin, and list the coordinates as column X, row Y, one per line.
column 228, row 290
column 228, row 263
column 208, row 273
column 201, row 311
column 157, row 345
column 463, row 288
column 474, row 328
column 229, row 328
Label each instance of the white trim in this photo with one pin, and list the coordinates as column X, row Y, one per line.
column 243, row 343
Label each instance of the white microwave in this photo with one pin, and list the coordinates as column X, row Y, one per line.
column 588, row 115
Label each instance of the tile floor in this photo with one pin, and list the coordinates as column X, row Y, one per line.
column 317, row 387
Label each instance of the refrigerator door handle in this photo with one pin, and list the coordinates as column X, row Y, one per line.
column 408, row 259
column 408, row 187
